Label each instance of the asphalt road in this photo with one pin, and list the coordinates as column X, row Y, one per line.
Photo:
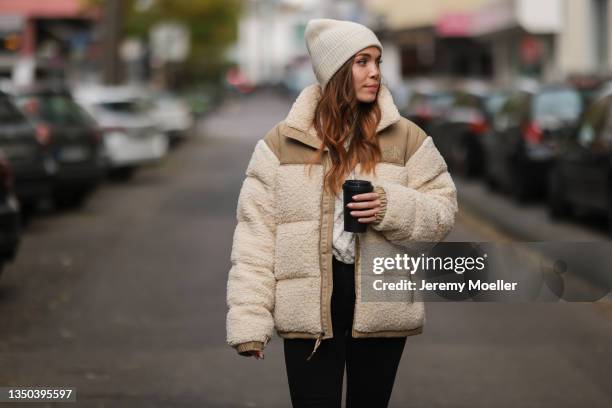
column 124, row 299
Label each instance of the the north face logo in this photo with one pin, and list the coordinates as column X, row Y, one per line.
column 391, row 153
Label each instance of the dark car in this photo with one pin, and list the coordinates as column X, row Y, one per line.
column 581, row 176
column 527, row 131
column 494, row 101
column 459, row 134
column 25, row 150
column 426, row 107
column 71, row 137
column 10, row 229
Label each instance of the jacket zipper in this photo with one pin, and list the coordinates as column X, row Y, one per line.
column 356, row 274
column 319, row 337
column 322, row 333
column 317, row 344
column 331, row 283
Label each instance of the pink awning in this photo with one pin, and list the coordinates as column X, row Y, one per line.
column 47, row 9
column 454, row 25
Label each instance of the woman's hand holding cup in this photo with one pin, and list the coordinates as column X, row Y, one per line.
column 366, row 207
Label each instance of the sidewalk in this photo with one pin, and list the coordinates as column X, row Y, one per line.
column 527, row 222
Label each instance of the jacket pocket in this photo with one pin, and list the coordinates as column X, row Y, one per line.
column 296, row 253
column 374, row 317
column 297, row 307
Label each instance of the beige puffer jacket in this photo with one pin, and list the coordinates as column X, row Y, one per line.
column 281, row 274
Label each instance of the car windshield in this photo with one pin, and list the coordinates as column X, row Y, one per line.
column 558, row 103
column 435, row 101
column 466, row 100
column 494, row 103
column 441, row 101
column 54, row 109
column 130, row 106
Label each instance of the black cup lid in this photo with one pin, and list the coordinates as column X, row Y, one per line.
column 357, row 183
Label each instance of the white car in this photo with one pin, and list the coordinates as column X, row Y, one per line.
column 127, row 120
column 173, row 115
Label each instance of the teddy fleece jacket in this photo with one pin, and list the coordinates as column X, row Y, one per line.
column 280, row 278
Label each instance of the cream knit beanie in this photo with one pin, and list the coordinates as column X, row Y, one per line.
column 331, row 43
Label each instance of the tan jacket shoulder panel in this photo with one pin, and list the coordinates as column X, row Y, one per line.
column 416, row 137
column 289, row 150
column 397, row 143
column 272, row 139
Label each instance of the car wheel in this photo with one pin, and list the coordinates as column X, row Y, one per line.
column 121, row 173
column 459, row 158
column 519, row 189
column 558, row 206
column 609, row 211
column 488, row 175
column 518, row 181
column 71, row 199
column 491, row 183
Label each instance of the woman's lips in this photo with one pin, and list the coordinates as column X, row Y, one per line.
column 371, row 88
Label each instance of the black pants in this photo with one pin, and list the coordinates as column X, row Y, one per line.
column 371, row 363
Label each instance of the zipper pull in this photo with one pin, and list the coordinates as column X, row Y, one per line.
column 317, row 344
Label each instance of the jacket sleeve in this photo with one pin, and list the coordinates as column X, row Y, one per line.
column 421, row 212
column 251, row 282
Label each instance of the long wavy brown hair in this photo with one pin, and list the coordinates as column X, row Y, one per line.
column 338, row 115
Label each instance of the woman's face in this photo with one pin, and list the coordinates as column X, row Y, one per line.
column 366, row 74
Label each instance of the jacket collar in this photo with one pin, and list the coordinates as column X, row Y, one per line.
column 298, row 123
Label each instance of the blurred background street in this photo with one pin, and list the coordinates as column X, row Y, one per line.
column 125, row 132
column 125, row 300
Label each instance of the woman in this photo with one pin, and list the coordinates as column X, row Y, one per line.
column 294, row 268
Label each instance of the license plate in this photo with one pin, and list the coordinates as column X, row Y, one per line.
column 73, row 153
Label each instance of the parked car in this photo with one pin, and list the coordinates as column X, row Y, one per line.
column 25, row 147
column 426, row 105
column 526, row 134
column 203, row 99
column 581, row 176
column 173, row 115
column 459, row 133
column 237, row 82
column 10, row 228
column 130, row 131
column 71, row 138
column 495, row 100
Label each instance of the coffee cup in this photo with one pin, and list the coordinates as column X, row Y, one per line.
column 351, row 188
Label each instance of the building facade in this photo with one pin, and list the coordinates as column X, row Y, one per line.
column 40, row 38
